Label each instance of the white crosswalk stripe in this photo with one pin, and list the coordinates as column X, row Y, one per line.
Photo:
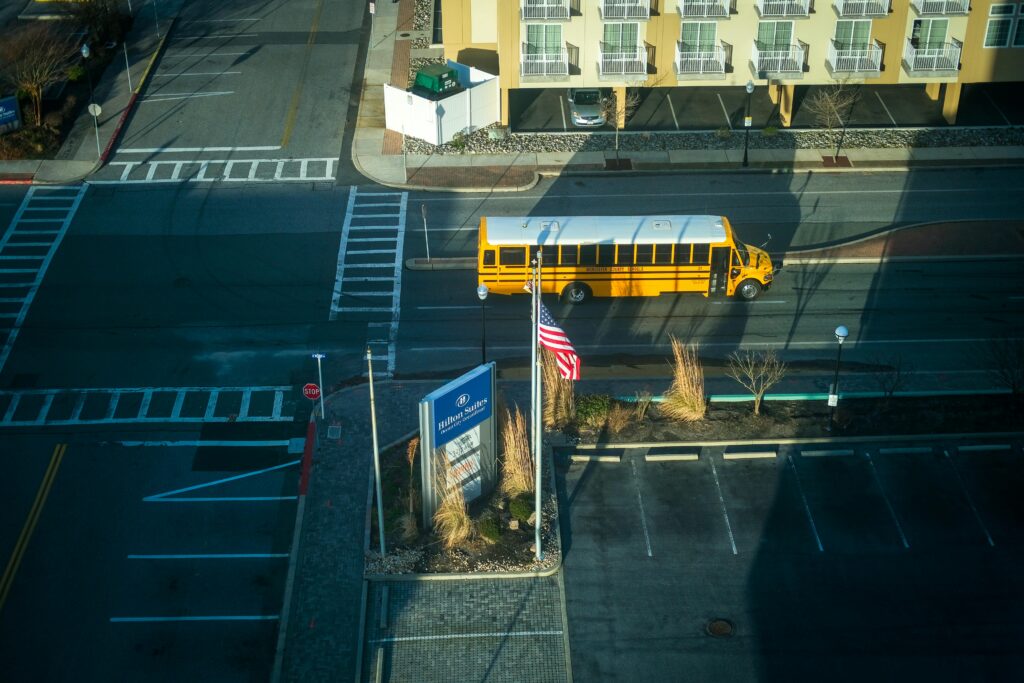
column 26, row 249
column 375, row 225
column 221, row 170
column 53, row 407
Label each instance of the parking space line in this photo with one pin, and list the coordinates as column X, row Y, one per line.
column 826, row 452
column 204, row 444
column 905, row 449
column 725, row 512
column 967, row 497
column 167, row 494
column 996, row 107
column 173, row 97
column 672, row 109
column 752, row 455
column 888, row 504
column 221, row 556
column 202, row 73
column 984, row 447
column 565, row 124
column 236, row 617
column 887, row 112
column 458, row 636
column 643, row 515
column 725, row 112
column 807, row 507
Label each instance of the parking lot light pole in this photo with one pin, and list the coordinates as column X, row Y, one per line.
column 320, row 376
column 482, row 292
column 833, row 395
column 746, row 124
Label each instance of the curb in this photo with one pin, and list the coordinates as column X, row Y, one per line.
column 808, row 440
column 444, row 263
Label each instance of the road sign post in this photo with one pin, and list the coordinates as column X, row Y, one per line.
column 312, row 392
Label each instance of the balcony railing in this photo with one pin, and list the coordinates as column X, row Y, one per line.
column 847, row 60
column 944, row 57
column 552, row 63
column 618, row 61
column 784, row 8
column 534, row 10
column 862, row 8
column 941, row 6
column 705, row 61
column 775, row 60
column 625, row 9
column 702, row 9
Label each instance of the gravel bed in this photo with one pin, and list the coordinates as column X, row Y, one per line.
column 422, row 15
column 480, row 142
column 420, row 43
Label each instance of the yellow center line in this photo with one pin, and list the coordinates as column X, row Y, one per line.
column 293, row 108
column 30, row 522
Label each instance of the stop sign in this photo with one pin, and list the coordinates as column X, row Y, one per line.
column 311, row 391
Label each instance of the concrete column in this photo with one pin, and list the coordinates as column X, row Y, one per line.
column 951, row 102
column 773, row 92
column 933, row 90
column 504, row 106
column 785, row 102
column 620, row 98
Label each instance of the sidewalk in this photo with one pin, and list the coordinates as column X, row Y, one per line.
column 377, row 153
column 85, row 147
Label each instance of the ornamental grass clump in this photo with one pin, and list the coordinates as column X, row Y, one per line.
column 451, row 520
column 407, row 524
column 516, row 463
column 685, row 400
column 619, row 417
column 559, row 398
column 642, row 404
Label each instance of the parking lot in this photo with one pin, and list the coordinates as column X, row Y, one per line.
column 855, row 559
column 712, row 108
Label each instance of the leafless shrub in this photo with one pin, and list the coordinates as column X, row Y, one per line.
column 619, row 417
column 516, row 464
column 829, row 105
column 559, row 397
column 757, row 371
column 1004, row 358
column 642, row 404
column 891, row 375
column 685, row 399
column 451, row 520
column 34, row 57
column 615, row 111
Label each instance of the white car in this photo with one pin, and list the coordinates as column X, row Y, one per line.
column 586, row 107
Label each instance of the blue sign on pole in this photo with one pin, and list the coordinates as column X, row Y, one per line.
column 10, row 115
column 461, row 405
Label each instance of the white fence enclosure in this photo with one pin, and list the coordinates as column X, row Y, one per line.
column 477, row 106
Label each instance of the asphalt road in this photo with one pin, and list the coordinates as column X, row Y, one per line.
column 871, row 564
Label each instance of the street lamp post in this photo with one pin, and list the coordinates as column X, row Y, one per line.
column 94, row 109
column 746, row 123
column 833, row 396
column 482, row 292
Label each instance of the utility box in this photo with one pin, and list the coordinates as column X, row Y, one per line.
column 436, row 82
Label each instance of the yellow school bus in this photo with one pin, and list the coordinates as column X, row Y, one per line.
column 586, row 256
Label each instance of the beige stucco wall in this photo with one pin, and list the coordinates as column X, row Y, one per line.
column 982, row 64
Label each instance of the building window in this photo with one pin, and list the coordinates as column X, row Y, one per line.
column 929, row 33
column 621, row 37
column 1005, row 22
column 543, row 39
column 1018, row 35
column 774, row 35
column 698, row 36
column 853, row 35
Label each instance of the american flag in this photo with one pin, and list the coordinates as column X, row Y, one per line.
column 552, row 337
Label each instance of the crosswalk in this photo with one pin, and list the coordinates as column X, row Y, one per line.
column 322, row 169
column 52, row 407
column 26, row 249
column 368, row 283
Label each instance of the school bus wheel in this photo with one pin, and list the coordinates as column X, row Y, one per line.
column 748, row 290
column 576, row 293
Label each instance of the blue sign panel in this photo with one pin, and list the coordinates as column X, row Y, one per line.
column 10, row 119
column 461, row 405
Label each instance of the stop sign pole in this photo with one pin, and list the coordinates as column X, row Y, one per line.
column 320, row 375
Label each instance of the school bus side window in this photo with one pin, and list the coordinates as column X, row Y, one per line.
column 605, row 254
column 569, row 255
column 512, row 256
column 682, row 254
column 701, row 253
column 663, row 254
column 644, row 254
column 489, row 257
column 588, row 254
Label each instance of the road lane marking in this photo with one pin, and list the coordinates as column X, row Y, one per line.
column 204, row 444
column 828, row 452
column 30, row 522
column 721, row 500
column 807, row 507
column 643, row 515
column 887, row 112
column 224, row 499
column 157, row 497
column 236, row 617
column 468, row 197
column 201, row 73
column 888, row 504
column 293, row 107
column 459, row 636
column 970, row 501
column 172, row 97
column 984, row 447
column 213, row 556
column 211, row 36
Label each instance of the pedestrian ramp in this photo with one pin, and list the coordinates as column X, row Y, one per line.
column 146, row 405
column 26, row 249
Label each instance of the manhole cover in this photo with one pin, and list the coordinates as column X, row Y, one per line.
column 403, row 35
column 719, row 628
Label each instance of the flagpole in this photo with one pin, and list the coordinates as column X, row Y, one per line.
column 537, row 404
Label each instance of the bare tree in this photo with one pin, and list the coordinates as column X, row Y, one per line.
column 757, row 371
column 891, row 375
column 100, row 20
column 616, row 111
column 35, row 57
column 1005, row 360
column 831, row 107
